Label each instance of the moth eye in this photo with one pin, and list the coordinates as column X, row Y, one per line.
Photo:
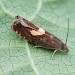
column 17, row 17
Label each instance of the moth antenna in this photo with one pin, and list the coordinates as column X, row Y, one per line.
column 67, row 32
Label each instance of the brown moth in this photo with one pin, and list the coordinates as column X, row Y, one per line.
column 38, row 36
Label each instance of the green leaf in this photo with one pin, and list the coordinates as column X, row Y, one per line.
column 17, row 56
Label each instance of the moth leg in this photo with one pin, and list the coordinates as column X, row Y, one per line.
column 54, row 53
column 36, row 46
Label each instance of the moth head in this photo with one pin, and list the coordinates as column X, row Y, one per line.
column 18, row 20
column 65, row 48
column 16, row 26
column 18, row 23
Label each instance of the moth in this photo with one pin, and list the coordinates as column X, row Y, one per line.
column 38, row 36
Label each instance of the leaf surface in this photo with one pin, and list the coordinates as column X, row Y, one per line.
column 17, row 56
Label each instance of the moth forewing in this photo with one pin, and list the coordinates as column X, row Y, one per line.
column 37, row 35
